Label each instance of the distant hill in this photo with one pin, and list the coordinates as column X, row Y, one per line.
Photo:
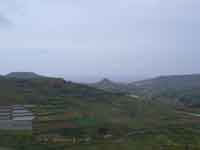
column 176, row 88
column 33, row 88
column 23, row 75
column 111, row 86
column 175, row 81
column 56, row 101
column 30, row 88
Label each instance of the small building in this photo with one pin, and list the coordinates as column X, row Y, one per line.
column 15, row 117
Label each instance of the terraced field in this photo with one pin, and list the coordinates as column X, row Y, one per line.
column 76, row 117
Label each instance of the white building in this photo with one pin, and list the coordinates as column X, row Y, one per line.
column 15, row 117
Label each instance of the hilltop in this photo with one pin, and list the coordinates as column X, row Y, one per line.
column 111, row 86
column 175, row 89
column 174, row 81
column 40, row 89
column 23, row 75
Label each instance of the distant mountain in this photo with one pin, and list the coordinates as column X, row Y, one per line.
column 30, row 88
column 176, row 89
column 183, row 89
column 23, row 75
column 111, row 86
column 175, row 81
column 106, row 84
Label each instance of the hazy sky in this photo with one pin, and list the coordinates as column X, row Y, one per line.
column 104, row 38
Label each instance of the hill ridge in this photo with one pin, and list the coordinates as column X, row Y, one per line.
column 23, row 75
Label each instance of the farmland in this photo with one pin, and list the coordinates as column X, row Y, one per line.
column 78, row 117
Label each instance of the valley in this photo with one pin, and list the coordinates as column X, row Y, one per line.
column 79, row 117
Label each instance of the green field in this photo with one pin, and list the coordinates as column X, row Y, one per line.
column 134, row 124
column 71, row 116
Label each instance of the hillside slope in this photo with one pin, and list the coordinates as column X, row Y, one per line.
column 111, row 86
column 55, row 98
column 40, row 90
column 66, row 110
column 23, row 75
column 178, row 88
column 176, row 81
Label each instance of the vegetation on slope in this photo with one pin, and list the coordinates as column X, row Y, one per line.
column 177, row 89
column 23, row 75
column 66, row 110
column 42, row 90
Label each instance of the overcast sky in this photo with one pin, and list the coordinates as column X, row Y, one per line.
column 119, row 39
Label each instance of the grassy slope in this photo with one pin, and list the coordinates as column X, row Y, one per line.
column 56, row 97
column 172, row 139
column 177, row 89
column 42, row 90
column 90, row 109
